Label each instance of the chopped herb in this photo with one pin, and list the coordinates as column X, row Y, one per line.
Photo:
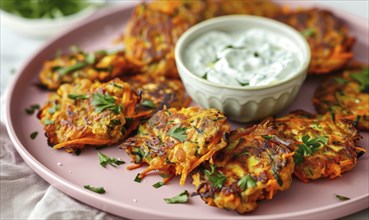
column 333, row 116
column 309, row 147
column 76, row 49
column 116, row 85
column 115, row 122
column 356, row 122
column 148, row 103
column 105, row 160
column 362, row 78
column 243, row 84
column 69, row 69
column 54, row 109
column 32, row 109
column 99, row 190
column 101, row 52
column 103, row 102
column 180, row 198
column 137, row 178
column 340, row 80
column 164, row 175
column 308, row 32
column 267, row 137
column 342, row 198
column 178, row 133
column 139, row 154
column 205, row 76
column 246, row 182
column 278, row 178
column 90, row 58
column 34, row 135
column 158, row 184
column 78, row 152
column 48, row 122
column 216, row 179
column 77, row 96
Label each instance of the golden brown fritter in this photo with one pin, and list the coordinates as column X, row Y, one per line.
column 159, row 92
column 346, row 95
column 254, row 166
column 155, row 27
column 174, row 142
column 89, row 113
column 100, row 65
column 328, row 37
column 325, row 146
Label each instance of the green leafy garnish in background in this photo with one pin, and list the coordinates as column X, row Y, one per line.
column 103, row 102
column 309, row 147
column 43, row 8
column 180, row 198
column 178, row 133
column 246, row 182
column 105, row 160
column 216, row 179
column 30, row 110
column 362, row 78
column 342, row 198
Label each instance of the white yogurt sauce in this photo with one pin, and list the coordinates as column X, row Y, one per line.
column 244, row 58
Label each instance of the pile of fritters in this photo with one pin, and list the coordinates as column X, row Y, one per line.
column 254, row 165
column 325, row 146
column 174, row 142
column 346, row 95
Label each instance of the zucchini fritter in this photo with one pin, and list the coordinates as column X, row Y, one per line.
column 159, row 92
column 324, row 146
column 254, row 166
column 100, row 65
column 155, row 27
column 177, row 141
column 328, row 37
column 346, row 95
column 89, row 113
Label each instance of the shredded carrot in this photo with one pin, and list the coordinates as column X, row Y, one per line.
column 146, row 171
column 84, row 141
column 134, row 166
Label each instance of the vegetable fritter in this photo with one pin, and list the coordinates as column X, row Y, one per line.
column 89, row 113
column 328, row 37
column 325, row 146
column 174, row 142
column 100, row 65
column 254, row 166
column 159, row 92
column 346, row 95
column 155, row 27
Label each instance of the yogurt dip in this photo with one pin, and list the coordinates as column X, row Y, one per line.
column 253, row 57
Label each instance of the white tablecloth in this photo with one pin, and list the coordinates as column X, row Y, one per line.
column 24, row 195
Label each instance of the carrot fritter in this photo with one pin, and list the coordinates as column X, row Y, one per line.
column 328, row 37
column 325, row 146
column 254, row 166
column 100, row 65
column 346, row 95
column 174, row 142
column 159, row 92
column 89, row 113
column 155, row 27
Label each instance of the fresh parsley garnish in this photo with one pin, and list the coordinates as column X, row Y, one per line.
column 103, row 102
column 105, row 160
column 137, row 178
column 309, row 147
column 178, row 133
column 77, row 96
column 90, row 58
column 48, row 122
column 54, row 109
column 30, row 110
column 267, row 137
column 342, row 198
column 180, row 198
column 99, row 190
column 148, row 103
column 340, row 80
column 216, row 179
column 362, row 78
column 158, row 184
column 34, row 135
column 246, row 182
column 308, row 32
column 116, row 85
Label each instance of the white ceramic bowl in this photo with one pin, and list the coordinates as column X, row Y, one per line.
column 242, row 104
column 46, row 27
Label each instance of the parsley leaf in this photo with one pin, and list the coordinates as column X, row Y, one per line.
column 216, row 179
column 54, row 109
column 309, row 147
column 77, row 96
column 65, row 70
column 48, row 122
column 90, row 58
column 340, row 80
column 308, row 32
column 30, row 110
column 148, row 103
column 102, row 102
column 180, row 198
column 137, row 178
column 178, row 133
column 342, row 198
column 362, row 78
column 34, row 135
column 105, row 160
column 246, row 182
column 158, row 184
column 99, row 190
